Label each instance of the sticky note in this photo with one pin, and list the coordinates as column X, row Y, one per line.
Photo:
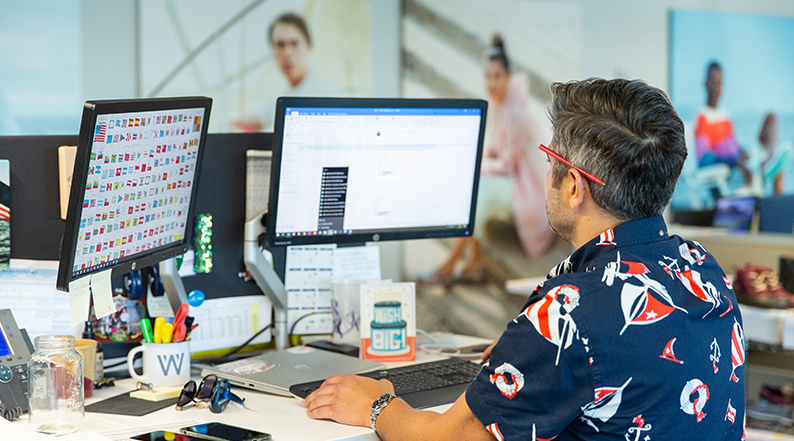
column 157, row 394
column 102, row 293
column 79, row 300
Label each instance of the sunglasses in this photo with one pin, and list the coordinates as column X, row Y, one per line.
column 567, row 163
column 212, row 392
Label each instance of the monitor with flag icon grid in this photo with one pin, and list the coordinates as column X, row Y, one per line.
column 132, row 196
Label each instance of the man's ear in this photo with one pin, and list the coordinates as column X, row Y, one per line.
column 578, row 189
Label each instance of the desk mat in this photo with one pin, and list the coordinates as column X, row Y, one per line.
column 125, row 405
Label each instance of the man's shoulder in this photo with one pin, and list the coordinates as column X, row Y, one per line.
column 638, row 263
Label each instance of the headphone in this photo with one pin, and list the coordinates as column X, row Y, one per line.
column 133, row 283
column 155, row 286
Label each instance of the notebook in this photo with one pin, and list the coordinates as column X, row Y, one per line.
column 274, row 372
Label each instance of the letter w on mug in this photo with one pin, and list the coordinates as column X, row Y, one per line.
column 164, row 364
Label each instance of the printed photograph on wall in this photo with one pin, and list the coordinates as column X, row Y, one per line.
column 247, row 54
column 731, row 83
column 499, row 51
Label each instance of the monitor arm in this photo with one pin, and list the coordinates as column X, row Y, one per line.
column 266, row 278
column 172, row 282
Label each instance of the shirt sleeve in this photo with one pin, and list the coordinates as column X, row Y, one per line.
column 538, row 378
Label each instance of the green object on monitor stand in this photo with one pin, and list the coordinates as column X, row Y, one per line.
column 203, row 237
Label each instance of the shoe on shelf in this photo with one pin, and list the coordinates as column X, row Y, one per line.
column 760, row 286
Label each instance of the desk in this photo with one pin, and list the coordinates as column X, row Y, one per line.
column 282, row 417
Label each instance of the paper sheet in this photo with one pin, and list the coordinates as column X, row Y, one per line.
column 308, row 273
column 158, row 306
column 257, row 181
column 79, row 300
column 357, row 263
column 102, row 293
column 228, row 322
column 28, row 290
column 15, row 431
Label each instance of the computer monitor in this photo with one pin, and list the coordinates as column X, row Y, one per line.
column 134, row 185
column 735, row 214
column 357, row 170
column 776, row 214
column 354, row 170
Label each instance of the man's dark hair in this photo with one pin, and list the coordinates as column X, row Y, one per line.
column 627, row 134
column 290, row 19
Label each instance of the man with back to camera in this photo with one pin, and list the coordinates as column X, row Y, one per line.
column 635, row 336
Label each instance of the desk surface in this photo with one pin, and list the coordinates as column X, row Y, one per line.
column 282, row 417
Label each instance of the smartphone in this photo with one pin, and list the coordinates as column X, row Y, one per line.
column 223, row 432
column 162, row 435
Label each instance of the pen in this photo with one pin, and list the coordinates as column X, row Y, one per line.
column 188, row 327
column 158, row 329
column 146, row 327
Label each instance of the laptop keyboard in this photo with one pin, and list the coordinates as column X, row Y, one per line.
column 414, row 378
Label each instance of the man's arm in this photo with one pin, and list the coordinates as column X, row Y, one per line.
column 348, row 399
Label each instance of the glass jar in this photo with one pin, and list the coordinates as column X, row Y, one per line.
column 55, row 379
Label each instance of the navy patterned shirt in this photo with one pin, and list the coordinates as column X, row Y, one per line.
column 636, row 336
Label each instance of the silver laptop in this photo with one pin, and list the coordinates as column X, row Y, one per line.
column 274, row 372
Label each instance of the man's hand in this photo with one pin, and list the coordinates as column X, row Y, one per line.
column 346, row 399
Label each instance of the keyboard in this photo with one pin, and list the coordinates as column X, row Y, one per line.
column 420, row 385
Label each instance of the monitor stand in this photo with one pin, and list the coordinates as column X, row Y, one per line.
column 266, row 278
column 172, row 282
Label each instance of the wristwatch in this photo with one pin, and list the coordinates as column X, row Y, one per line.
column 377, row 408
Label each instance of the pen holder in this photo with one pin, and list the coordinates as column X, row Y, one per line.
column 346, row 312
column 87, row 349
column 164, row 364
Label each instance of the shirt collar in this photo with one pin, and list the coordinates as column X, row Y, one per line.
column 642, row 231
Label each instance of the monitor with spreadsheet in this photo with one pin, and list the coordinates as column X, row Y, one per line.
column 357, row 170
column 133, row 187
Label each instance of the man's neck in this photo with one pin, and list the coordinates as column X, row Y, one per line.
column 591, row 226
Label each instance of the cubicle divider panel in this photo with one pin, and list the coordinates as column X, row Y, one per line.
column 221, row 193
column 36, row 225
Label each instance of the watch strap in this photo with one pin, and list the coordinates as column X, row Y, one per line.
column 377, row 407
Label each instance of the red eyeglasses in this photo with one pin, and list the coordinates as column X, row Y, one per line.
column 567, row 163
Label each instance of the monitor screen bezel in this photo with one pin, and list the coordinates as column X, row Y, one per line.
column 384, row 235
column 91, row 111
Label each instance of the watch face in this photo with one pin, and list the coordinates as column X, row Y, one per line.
column 382, row 400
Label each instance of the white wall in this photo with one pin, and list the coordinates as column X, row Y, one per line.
column 108, row 49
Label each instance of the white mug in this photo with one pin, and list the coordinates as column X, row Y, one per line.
column 164, row 364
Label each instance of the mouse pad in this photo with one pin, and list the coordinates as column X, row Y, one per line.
column 125, row 405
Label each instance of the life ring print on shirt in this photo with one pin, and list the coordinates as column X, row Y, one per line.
column 694, row 407
column 500, row 379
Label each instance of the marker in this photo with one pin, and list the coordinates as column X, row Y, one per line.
column 158, row 329
column 146, row 327
column 167, row 331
